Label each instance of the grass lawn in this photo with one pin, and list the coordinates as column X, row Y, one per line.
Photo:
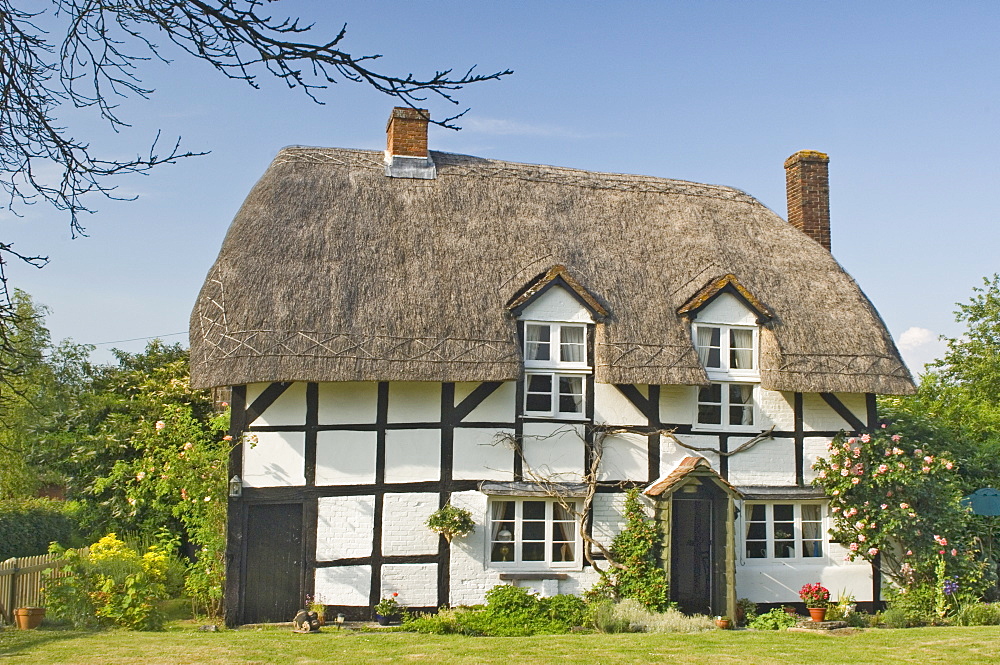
column 182, row 643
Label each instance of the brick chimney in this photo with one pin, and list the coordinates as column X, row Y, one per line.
column 406, row 154
column 807, row 180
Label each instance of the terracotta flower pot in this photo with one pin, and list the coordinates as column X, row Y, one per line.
column 28, row 618
column 724, row 624
column 817, row 613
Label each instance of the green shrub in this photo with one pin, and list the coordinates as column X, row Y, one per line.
column 912, row 606
column 601, row 616
column 29, row 525
column 776, row 619
column 637, row 547
column 978, row 614
column 896, row 617
column 510, row 611
column 109, row 585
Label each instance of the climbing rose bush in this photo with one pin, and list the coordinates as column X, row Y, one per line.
column 898, row 501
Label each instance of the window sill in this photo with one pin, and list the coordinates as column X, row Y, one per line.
column 514, row 577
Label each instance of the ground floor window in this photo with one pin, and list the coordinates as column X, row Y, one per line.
column 784, row 530
column 533, row 532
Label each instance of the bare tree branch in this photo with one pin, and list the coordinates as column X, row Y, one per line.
column 88, row 54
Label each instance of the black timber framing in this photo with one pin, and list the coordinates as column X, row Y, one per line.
column 235, row 516
column 852, row 420
column 799, row 439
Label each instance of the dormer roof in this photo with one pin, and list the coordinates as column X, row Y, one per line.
column 718, row 286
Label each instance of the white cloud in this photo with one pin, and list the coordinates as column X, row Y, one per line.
column 913, row 338
column 920, row 346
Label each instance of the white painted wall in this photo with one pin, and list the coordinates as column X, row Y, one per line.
column 612, row 408
column 554, row 450
column 277, row 459
column 818, row 415
column 344, row 585
column 352, row 402
column 414, row 402
column 412, row 455
column 625, row 457
column 345, row 457
column 482, row 454
column 556, row 304
column 288, row 409
column 403, row 524
column 497, row 408
column 344, row 527
column 727, row 309
column 416, row 583
column 769, row 462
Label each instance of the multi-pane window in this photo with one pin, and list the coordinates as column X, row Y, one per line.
column 726, row 349
column 555, row 345
column 783, row 530
column 533, row 533
column 555, row 358
column 726, row 405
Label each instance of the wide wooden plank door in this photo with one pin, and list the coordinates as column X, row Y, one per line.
column 273, row 587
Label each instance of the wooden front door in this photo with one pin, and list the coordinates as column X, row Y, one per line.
column 692, row 555
column 273, row 572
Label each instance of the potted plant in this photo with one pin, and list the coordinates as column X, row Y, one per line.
column 450, row 521
column 315, row 604
column 387, row 610
column 816, row 597
column 723, row 622
column 746, row 610
column 28, row 618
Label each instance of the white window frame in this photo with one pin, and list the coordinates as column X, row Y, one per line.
column 554, row 395
column 517, row 537
column 796, row 538
column 556, row 369
column 555, row 346
column 725, row 404
column 724, row 371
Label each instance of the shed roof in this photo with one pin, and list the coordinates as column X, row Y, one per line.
column 332, row 271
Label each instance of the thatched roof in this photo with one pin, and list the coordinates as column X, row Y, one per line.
column 333, row 271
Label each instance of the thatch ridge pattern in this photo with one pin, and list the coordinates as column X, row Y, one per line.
column 332, row 271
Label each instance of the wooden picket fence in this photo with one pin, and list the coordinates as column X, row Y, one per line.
column 21, row 582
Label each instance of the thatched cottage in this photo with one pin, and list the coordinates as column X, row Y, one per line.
column 407, row 329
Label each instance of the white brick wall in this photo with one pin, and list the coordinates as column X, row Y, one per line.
column 554, row 450
column 344, row 585
column 820, row 416
column 625, row 457
column 288, row 409
column 778, row 409
column 416, row 583
column 344, row 528
column 813, row 448
column 403, row 524
column 497, row 408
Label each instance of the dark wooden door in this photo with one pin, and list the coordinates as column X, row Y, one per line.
column 692, row 555
column 273, row 588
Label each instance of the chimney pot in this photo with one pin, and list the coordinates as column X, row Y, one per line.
column 807, row 179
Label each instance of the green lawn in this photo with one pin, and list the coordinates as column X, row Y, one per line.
column 182, row 644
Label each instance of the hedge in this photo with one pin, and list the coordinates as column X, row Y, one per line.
column 27, row 526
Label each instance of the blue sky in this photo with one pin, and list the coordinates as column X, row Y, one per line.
column 903, row 96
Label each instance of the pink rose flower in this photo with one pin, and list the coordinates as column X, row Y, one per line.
column 865, row 438
column 160, row 424
column 904, row 506
column 954, row 552
column 895, row 437
column 855, row 480
column 854, row 547
column 884, row 506
column 872, row 551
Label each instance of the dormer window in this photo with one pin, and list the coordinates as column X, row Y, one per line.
column 555, row 345
column 726, row 351
column 555, row 361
